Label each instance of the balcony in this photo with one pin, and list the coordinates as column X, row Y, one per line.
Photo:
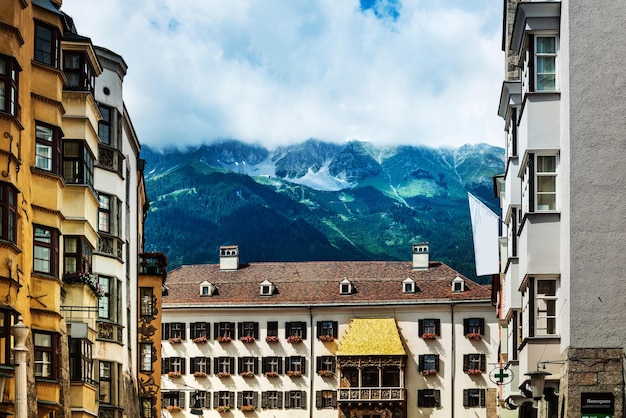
column 153, row 263
column 371, row 394
column 110, row 332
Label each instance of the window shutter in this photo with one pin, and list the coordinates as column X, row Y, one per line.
column 420, row 366
column 207, row 361
column 303, row 330
column 264, row 367
column 319, row 329
column 192, row 364
column 239, row 364
column 207, row 332
column 232, row 363
column 192, row 330
column 303, row 364
column 256, row 365
column 420, row 398
column 465, row 362
column 466, row 397
column 420, row 327
column 438, row 327
column 437, row 362
column 216, row 366
column 256, row 330
column 255, row 399
column 483, row 363
column 334, row 364
column 239, row 399
column 181, row 399
column 303, row 400
column 318, row 364
column 166, row 331
column 483, row 331
column 531, row 307
column 335, row 329
column 216, row 399
column 437, row 398
column 263, row 399
column 334, row 399
column 279, row 398
column 231, row 398
column 216, row 330
column 318, row 397
column 239, row 329
column 287, row 403
column 280, row 365
column 482, row 397
column 287, row 329
column 531, row 62
column 183, row 331
column 183, row 363
column 531, row 182
column 465, row 326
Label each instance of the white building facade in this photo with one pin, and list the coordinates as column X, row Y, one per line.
column 327, row 339
column 560, row 300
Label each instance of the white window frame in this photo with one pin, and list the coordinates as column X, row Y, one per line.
column 542, row 312
column 545, row 174
column 543, row 55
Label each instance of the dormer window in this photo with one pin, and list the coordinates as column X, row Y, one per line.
column 408, row 285
column 345, row 287
column 267, row 288
column 207, row 289
column 458, row 285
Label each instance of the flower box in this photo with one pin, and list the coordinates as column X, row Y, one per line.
column 294, row 373
column 246, row 408
column 85, row 278
column 429, row 336
column 223, row 375
column 200, row 340
column 175, row 340
column 474, row 372
column 174, row 375
column 271, row 339
column 247, row 339
column 430, row 372
column 271, row 374
column 199, row 374
column 173, row 408
column 474, row 336
column 224, row 339
column 326, row 373
column 223, row 408
column 294, row 339
column 326, row 338
column 247, row 374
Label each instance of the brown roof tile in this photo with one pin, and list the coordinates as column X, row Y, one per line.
column 317, row 283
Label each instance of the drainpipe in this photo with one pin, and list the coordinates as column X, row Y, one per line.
column 453, row 367
column 311, row 366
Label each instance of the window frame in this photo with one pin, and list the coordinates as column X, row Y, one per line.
column 428, row 362
column 200, row 364
column 173, row 330
column 272, row 328
column 44, row 46
column 272, row 364
column 326, row 364
column 82, row 256
column 147, row 302
column 326, row 399
column 51, row 143
column 199, row 329
column 538, row 56
column 174, row 364
column 248, row 329
column 8, row 206
column 295, row 328
column 78, row 167
column 474, row 398
column 296, row 364
column 429, row 326
column 248, row 364
column 53, row 356
column 428, row 398
column 52, row 247
column 474, row 325
column 172, row 398
column 537, row 178
column 223, row 398
column 146, row 357
column 81, row 360
column 223, row 329
column 272, row 399
column 84, row 73
column 295, row 399
column 475, row 361
column 10, row 78
column 224, row 364
column 327, row 328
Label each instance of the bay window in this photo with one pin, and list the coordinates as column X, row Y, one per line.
column 77, row 254
column 77, row 163
column 81, row 361
column 539, row 307
column 78, row 71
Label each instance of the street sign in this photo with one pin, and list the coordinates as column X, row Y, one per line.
column 596, row 416
column 597, row 405
column 501, row 376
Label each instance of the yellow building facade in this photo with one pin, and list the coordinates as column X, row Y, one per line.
column 72, row 204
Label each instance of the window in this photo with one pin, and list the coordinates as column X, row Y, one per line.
column 474, row 326
column 47, row 44
column 248, row 329
column 146, row 357
column 8, row 213
column 390, row 377
column 512, row 134
column 146, row 407
column 545, row 307
column 458, row 285
column 77, row 163
column 77, row 254
column 146, row 301
column 272, row 329
column 327, row 329
column 110, row 305
column 224, row 330
column 272, row 365
column 345, row 287
column 173, row 364
column 78, row 71
column 473, row 397
column 370, row 377
column 81, row 361
column 9, row 77
column 199, row 399
column 429, row 363
column 429, row 328
column 48, row 147
column 223, row 398
column 173, row 330
column 200, row 365
column 7, row 320
column 272, row 399
column 109, row 214
column 545, row 63
column 224, row 365
column 546, row 182
column 325, row 364
column 47, row 355
column 46, row 250
column 296, row 399
column 106, row 379
column 199, row 329
column 408, row 285
column 295, row 329
column 296, row 364
column 248, row 365
column 247, row 398
column 474, row 363
column 325, row 399
column 267, row 288
column 172, row 398
column 105, row 130
column 428, row 398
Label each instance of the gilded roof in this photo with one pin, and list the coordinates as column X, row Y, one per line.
column 372, row 337
column 317, row 283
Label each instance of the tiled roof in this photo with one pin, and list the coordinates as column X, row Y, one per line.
column 372, row 337
column 316, row 283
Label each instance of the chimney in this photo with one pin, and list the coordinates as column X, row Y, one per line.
column 420, row 256
column 229, row 257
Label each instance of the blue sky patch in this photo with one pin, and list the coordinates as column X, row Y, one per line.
column 383, row 9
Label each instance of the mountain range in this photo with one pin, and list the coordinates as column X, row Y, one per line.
column 316, row 201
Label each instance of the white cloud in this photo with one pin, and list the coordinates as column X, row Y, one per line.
column 281, row 71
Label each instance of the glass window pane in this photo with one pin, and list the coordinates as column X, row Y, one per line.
column 546, row 45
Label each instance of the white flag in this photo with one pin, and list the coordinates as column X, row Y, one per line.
column 485, row 232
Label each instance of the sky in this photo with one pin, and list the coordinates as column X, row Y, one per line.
column 277, row 72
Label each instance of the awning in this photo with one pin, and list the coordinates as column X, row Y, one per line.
column 372, row 337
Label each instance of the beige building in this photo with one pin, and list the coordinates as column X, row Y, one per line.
column 327, row 339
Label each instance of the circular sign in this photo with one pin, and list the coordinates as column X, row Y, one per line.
column 501, row 376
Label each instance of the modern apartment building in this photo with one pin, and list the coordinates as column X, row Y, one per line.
column 561, row 285
column 327, row 339
column 72, row 205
